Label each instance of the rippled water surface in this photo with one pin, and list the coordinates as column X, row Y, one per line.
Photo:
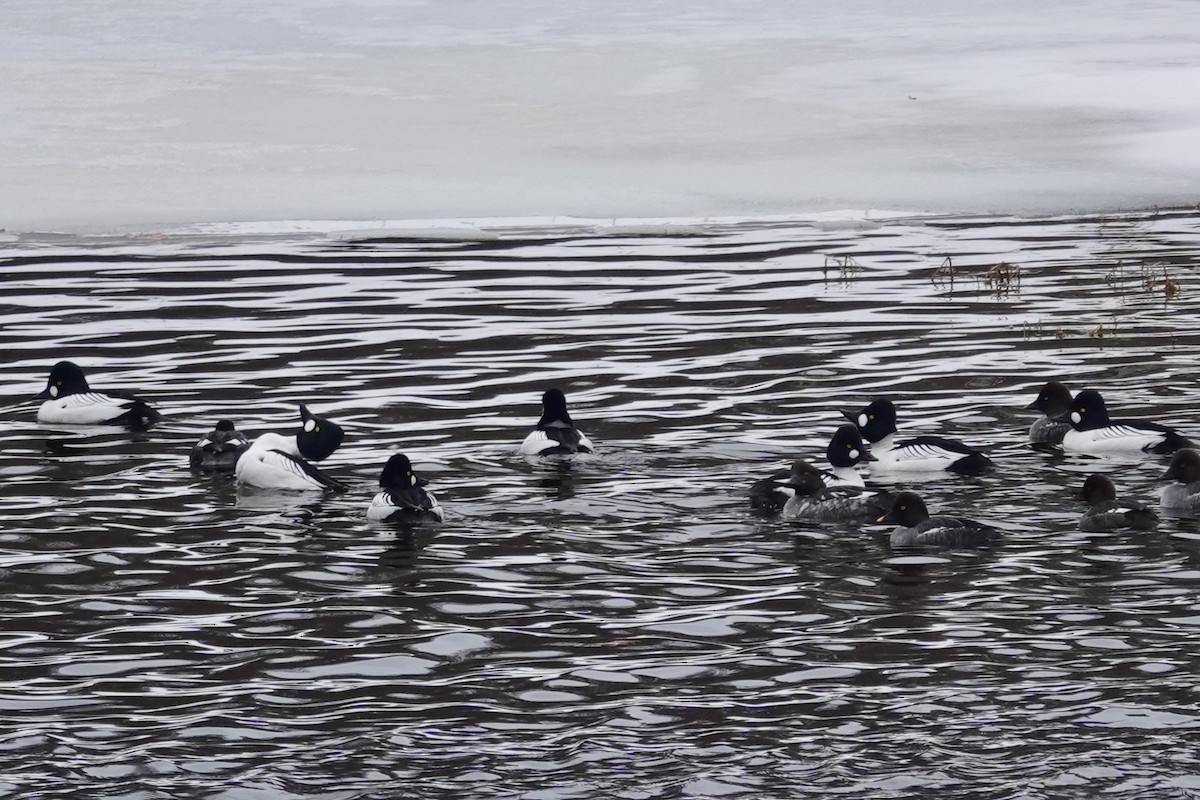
column 621, row 626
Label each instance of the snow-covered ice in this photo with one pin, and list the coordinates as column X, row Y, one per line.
column 124, row 114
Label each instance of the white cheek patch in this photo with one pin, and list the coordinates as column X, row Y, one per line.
column 854, row 453
column 54, row 391
column 862, row 420
column 1075, row 417
column 309, row 425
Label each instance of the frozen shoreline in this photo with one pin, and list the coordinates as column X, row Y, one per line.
column 118, row 119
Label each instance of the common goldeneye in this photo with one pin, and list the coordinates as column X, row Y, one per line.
column 276, row 462
column 1093, row 432
column 402, row 498
column 816, row 501
column 1184, row 493
column 877, row 422
column 917, row 529
column 555, row 433
column 845, row 450
column 1108, row 512
column 69, row 400
column 219, row 449
column 1053, row 400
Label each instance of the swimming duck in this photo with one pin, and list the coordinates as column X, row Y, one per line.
column 1093, row 432
column 915, row 528
column 402, row 498
column 69, row 400
column 555, row 433
column 1107, row 512
column 815, row 501
column 845, row 450
column 1053, row 400
column 877, row 422
column 219, row 449
column 1184, row 493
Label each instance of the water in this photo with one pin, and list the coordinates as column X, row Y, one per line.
column 620, row 626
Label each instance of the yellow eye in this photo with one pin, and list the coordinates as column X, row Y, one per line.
column 870, row 416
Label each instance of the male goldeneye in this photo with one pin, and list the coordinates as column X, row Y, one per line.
column 1053, row 400
column 318, row 437
column 877, row 422
column 276, row 462
column 917, row 529
column 70, row 401
column 1184, row 493
column 555, row 433
column 1108, row 512
column 1093, row 432
column 219, row 449
column 816, row 501
column 845, row 451
column 402, row 498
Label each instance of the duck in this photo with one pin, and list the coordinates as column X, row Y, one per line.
column 1108, row 512
column 219, row 449
column 813, row 500
column 1183, row 494
column 1093, row 432
column 274, row 461
column 69, row 400
column 402, row 497
column 846, row 450
column 915, row 528
column 555, row 433
column 877, row 423
column 1053, row 401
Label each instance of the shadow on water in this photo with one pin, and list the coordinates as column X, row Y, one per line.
column 624, row 615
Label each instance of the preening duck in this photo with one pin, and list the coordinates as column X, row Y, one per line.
column 219, row 449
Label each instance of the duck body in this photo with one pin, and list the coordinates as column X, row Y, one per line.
column 1107, row 512
column 877, row 423
column 274, row 462
column 219, row 449
column 1183, row 493
column 68, row 400
column 1053, row 401
column 837, row 504
column 916, row 528
column 402, row 498
column 1092, row 431
column 555, row 433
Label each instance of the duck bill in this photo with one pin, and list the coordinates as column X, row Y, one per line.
column 44, row 394
column 850, row 415
column 1032, row 406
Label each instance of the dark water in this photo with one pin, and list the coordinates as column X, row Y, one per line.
column 621, row 626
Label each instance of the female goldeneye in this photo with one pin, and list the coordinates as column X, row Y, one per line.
column 318, row 437
column 1107, row 512
column 816, row 501
column 402, row 498
column 917, row 529
column 276, row 462
column 1053, row 400
column 877, row 422
column 555, row 433
column 72, row 402
column 1184, row 493
column 1093, row 432
column 219, row 449
column 845, row 450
